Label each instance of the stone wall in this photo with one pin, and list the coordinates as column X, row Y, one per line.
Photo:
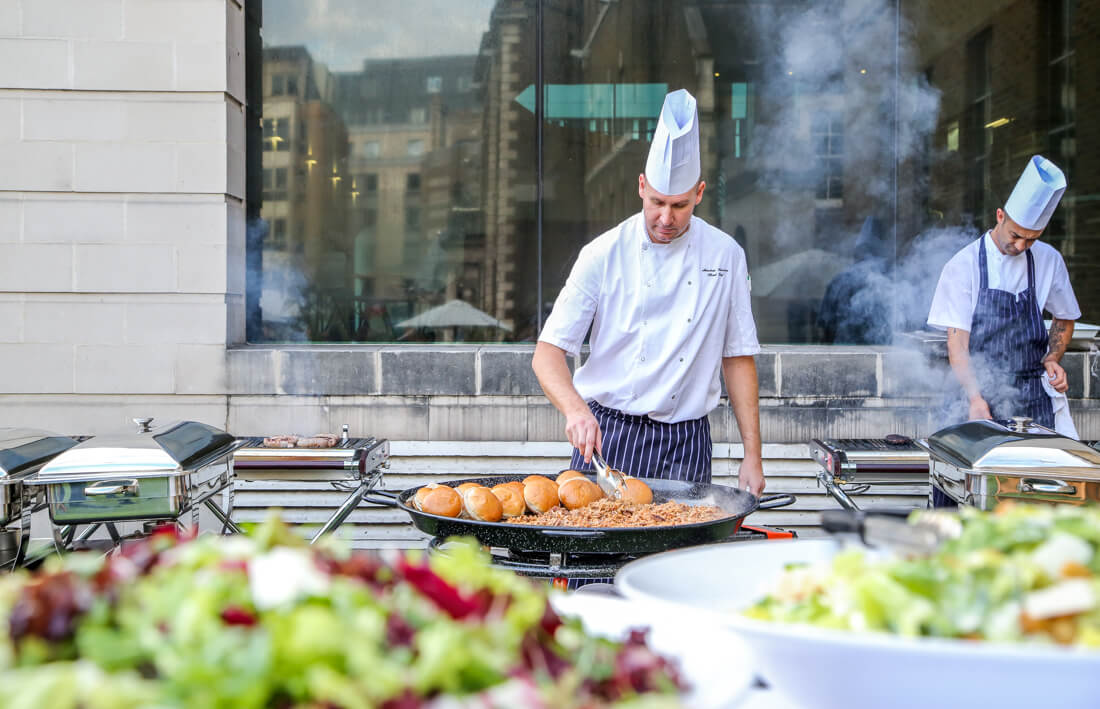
column 121, row 206
column 429, row 393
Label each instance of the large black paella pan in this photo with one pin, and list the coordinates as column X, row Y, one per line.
column 610, row 540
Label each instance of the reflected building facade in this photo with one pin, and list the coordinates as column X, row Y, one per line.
column 818, row 119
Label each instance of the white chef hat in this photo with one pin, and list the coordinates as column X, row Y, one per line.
column 673, row 164
column 1036, row 194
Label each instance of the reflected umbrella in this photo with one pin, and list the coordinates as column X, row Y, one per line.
column 455, row 313
column 799, row 276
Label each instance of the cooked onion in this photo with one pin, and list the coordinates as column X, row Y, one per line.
column 617, row 513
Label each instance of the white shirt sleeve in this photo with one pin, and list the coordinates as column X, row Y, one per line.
column 953, row 302
column 740, row 328
column 1061, row 302
column 575, row 305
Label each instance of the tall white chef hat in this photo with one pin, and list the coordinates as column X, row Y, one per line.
column 673, row 164
column 1036, row 194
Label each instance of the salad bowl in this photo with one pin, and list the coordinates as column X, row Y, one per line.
column 813, row 666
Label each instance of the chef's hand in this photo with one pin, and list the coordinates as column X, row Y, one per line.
column 979, row 409
column 750, row 476
column 1057, row 376
column 583, row 431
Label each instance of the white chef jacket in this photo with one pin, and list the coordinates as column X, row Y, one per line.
column 663, row 316
column 957, row 291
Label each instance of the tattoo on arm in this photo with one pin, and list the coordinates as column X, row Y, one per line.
column 1060, row 333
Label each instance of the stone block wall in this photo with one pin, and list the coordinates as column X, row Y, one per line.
column 121, row 203
column 470, row 393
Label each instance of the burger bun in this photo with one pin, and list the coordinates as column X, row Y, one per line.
column 540, row 494
column 439, row 500
column 481, row 504
column 575, row 493
column 511, row 499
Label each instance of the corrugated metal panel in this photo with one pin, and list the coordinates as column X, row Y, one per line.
column 788, row 469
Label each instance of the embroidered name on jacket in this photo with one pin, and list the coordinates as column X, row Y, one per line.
column 716, row 272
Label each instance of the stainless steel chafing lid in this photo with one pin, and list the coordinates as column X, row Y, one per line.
column 172, row 449
column 988, row 445
column 22, row 449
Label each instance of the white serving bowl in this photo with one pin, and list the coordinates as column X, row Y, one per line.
column 712, row 660
column 817, row 667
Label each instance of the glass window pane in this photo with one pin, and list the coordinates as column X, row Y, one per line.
column 834, row 150
column 999, row 105
column 403, row 153
column 784, row 90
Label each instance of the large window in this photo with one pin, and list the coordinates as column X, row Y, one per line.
column 410, row 153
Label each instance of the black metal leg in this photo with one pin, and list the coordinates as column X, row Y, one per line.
column 87, row 533
column 341, row 514
column 227, row 523
column 116, row 538
column 24, row 535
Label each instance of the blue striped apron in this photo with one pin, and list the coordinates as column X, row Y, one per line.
column 1009, row 340
column 644, row 448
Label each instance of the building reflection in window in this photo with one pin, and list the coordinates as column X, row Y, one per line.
column 398, row 151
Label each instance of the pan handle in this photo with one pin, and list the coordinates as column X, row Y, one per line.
column 770, row 502
column 389, row 499
column 576, row 533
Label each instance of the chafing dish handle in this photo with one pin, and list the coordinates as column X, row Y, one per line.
column 1046, row 487
column 111, row 487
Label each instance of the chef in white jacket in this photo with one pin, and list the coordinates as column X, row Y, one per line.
column 991, row 297
column 667, row 298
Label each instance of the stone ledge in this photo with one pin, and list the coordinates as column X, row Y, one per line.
column 789, row 374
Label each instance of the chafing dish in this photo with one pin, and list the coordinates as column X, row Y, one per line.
column 22, row 452
column 982, row 463
column 152, row 473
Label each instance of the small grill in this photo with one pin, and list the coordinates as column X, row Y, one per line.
column 559, row 568
column 849, row 466
column 353, row 465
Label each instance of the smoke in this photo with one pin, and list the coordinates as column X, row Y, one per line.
column 273, row 274
column 843, row 102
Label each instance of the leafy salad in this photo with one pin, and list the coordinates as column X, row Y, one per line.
column 1022, row 573
column 265, row 621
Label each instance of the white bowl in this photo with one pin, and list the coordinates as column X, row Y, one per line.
column 711, row 660
column 817, row 667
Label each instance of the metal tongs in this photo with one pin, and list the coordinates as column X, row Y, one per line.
column 919, row 535
column 611, row 481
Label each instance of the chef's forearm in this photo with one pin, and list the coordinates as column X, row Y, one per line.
column 744, row 393
column 958, row 354
column 552, row 371
column 1060, row 333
